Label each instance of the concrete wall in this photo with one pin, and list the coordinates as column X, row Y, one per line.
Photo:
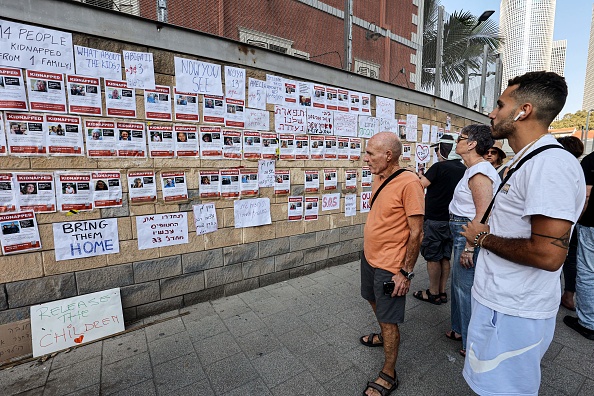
column 213, row 265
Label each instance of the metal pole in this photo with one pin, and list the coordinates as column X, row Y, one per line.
column 439, row 51
column 588, row 130
column 498, row 78
column 466, row 80
column 348, row 35
column 483, row 78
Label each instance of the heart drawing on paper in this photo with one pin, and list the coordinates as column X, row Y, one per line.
column 78, row 340
column 422, row 152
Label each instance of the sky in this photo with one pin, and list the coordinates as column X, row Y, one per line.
column 572, row 22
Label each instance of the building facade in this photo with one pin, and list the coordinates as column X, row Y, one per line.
column 588, row 101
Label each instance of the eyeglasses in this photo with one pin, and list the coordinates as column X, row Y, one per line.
column 493, row 152
column 460, row 138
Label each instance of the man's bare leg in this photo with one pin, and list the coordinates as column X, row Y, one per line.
column 444, row 276
column 434, row 269
column 391, row 335
column 376, row 339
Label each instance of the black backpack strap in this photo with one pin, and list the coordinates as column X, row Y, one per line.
column 511, row 171
column 388, row 180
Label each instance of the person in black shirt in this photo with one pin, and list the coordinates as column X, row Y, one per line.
column 440, row 180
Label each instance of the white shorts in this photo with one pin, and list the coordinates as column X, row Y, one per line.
column 504, row 352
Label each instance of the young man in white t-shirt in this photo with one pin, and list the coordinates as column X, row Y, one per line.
column 516, row 291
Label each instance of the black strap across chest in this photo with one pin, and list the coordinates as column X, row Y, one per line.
column 388, row 180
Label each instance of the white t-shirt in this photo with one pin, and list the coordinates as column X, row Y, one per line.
column 462, row 203
column 550, row 184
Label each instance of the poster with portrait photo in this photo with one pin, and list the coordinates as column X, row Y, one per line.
column 291, row 92
column 305, row 94
column 174, row 186
column 295, row 208
column 318, row 99
column 402, row 130
column 366, row 177
column 36, row 192
column 301, row 147
column 231, row 144
column 331, row 98
column 74, row 191
column 350, row 177
column 343, row 100
column 142, row 186
column 286, row 146
column 269, row 145
column 211, row 142
column 157, row 103
column 316, row 147
column 355, row 102
column 252, row 145
column 342, row 151
column 84, row 95
column 120, row 101
column 26, row 134
column 312, row 181
column 365, row 104
column 249, row 182
column 234, row 113
column 8, row 193
column 64, row 135
column 3, row 145
column 131, row 141
column 330, row 179
column 12, row 90
column 230, row 183
column 282, row 181
column 330, row 148
column 185, row 106
column 213, row 109
column 406, row 151
column 19, row 232
column 421, row 168
column 101, row 139
column 161, row 140
column 46, row 91
column 354, row 149
column 107, row 189
column 209, row 184
column 186, row 140
column 312, row 208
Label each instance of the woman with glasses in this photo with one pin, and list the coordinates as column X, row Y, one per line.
column 495, row 156
column 471, row 199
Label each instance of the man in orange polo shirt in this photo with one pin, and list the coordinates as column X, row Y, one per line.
column 391, row 243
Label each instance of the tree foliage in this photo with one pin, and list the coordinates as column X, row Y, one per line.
column 574, row 120
column 463, row 41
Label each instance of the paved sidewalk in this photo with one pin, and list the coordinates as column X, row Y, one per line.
column 298, row 337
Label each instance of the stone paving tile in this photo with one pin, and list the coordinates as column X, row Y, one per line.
column 325, row 362
column 124, row 346
column 197, row 388
column 31, row 392
column 178, row 373
column 258, row 343
column 89, row 391
column 320, row 321
column 276, row 367
column 267, row 307
column 560, row 378
column 303, row 383
column 344, row 384
column 199, row 310
column 254, row 295
column 125, row 373
column 301, row 340
column 204, row 327
column 587, row 388
column 254, row 388
column 244, row 323
column 24, row 377
column 164, row 329
column 76, row 355
column 569, row 359
column 230, row 373
column 215, row 348
column 146, row 388
column 283, row 322
column 169, row 348
column 230, row 306
column 79, row 375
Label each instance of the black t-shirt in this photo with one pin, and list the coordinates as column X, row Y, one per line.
column 444, row 176
column 587, row 219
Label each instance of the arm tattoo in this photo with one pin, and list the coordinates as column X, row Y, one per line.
column 562, row 241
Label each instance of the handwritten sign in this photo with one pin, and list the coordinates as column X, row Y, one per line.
column 164, row 229
column 198, row 77
column 234, row 83
column 290, row 120
column 205, row 218
column 345, row 124
column 78, row 239
column 140, row 71
column 319, row 121
column 275, row 88
column 256, row 94
column 266, row 173
column 32, row 47
column 350, row 205
column 62, row 324
column 97, row 63
column 251, row 212
column 368, row 126
column 257, row 120
column 15, row 340
column 385, row 107
column 388, row 125
column 426, row 133
column 365, row 200
column 422, row 153
column 330, row 201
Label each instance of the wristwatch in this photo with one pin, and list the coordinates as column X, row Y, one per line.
column 407, row 275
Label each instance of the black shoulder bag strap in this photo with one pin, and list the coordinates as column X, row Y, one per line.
column 511, row 172
column 388, row 180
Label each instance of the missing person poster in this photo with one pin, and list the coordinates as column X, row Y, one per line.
column 12, row 90
column 46, row 91
column 343, row 100
column 350, row 176
column 316, row 147
column 8, row 200
column 26, row 135
column 211, row 142
column 366, row 177
column 107, row 189
column 101, row 139
column 65, row 135
column 36, row 192
column 249, row 182
column 282, row 181
column 157, row 103
column 291, row 93
column 213, row 109
column 312, row 181
column 330, row 149
column 318, row 99
column 84, row 95
column 142, row 186
column 331, row 98
column 230, row 183
column 19, row 232
column 312, row 208
column 330, row 179
column 186, row 140
column 205, row 218
column 88, row 238
column 269, row 145
column 97, row 63
column 342, row 152
column 252, row 145
column 210, row 184
column 120, row 100
column 234, row 113
column 355, row 149
column 287, row 146
column 231, row 144
column 161, row 141
column 305, row 93
column 365, row 104
column 161, row 230
column 130, row 139
column 185, row 106
column 301, row 147
column 295, row 208
column 175, row 188
column 355, row 98
column 74, row 191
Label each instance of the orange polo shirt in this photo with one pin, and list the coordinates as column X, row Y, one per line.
column 386, row 231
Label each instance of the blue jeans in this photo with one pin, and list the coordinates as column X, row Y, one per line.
column 462, row 279
column 584, row 285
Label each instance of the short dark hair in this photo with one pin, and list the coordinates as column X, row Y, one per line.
column 481, row 134
column 546, row 91
column 572, row 144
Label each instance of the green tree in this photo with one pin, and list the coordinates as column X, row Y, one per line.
column 463, row 41
column 575, row 120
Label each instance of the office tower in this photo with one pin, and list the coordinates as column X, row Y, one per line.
column 558, row 57
column 588, row 101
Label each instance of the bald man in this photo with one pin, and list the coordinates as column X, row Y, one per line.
column 392, row 239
